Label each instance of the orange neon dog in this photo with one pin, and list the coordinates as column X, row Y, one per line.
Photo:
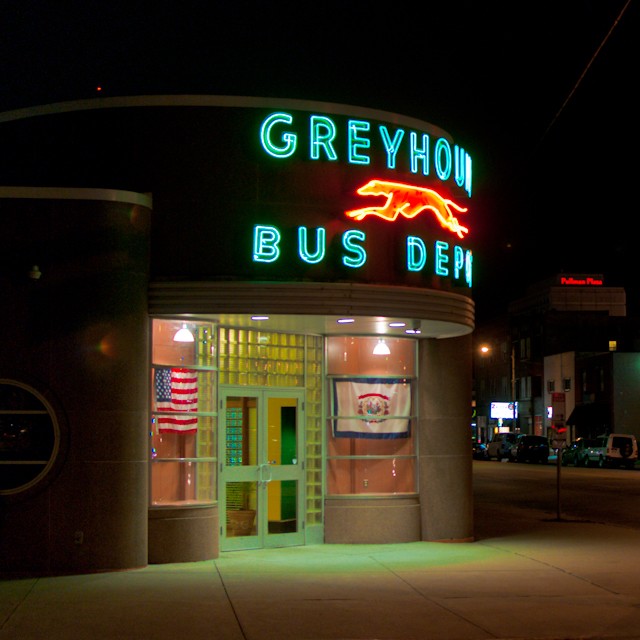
column 408, row 201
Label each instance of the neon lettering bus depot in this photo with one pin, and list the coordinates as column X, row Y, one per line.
column 440, row 258
column 279, row 139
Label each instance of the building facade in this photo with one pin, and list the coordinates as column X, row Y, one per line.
column 232, row 323
column 554, row 353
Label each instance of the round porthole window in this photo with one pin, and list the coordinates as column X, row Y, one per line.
column 29, row 437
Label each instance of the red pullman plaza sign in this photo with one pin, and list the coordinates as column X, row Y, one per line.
column 582, row 281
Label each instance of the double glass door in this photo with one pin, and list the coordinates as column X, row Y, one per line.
column 261, row 480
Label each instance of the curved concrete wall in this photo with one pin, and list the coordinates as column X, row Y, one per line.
column 183, row 535
column 81, row 332
column 445, row 461
column 372, row 520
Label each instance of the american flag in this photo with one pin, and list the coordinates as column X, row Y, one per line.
column 176, row 391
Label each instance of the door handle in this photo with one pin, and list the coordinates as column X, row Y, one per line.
column 264, row 479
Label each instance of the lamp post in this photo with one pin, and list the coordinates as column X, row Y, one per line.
column 513, row 384
column 484, row 349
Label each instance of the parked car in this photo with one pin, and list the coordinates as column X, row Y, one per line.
column 479, row 451
column 614, row 450
column 500, row 445
column 529, row 448
column 576, row 453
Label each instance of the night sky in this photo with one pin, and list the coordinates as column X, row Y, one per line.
column 539, row 93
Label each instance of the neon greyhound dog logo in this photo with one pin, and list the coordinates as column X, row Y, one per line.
column 408, row 201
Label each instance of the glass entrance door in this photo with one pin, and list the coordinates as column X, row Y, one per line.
column 261, row 479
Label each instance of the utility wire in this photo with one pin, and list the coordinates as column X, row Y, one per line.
column 584, row 73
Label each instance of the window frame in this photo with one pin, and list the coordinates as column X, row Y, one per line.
column 185, row 464
column 334, row 463
column 45, row 475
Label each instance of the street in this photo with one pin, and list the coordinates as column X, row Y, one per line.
column 508, row 497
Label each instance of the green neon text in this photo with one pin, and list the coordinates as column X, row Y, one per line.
column 288, row 140
column 350, row 241
column 442, row 259
column 321, row 137
column 446, row 261
column 303, row 245
column 265, row 244
column 279, row 138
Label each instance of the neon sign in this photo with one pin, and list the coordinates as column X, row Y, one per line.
column 280, row 141
column 318, row 249
column 581, row 282
column 445, row 260
column 409, row 201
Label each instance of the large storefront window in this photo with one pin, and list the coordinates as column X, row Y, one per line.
column 371, row 422
column 183, row 413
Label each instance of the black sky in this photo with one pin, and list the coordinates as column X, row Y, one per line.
column 542, row 94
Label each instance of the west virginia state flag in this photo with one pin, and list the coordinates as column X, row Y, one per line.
column 371, row 407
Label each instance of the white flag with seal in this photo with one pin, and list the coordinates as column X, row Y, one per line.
column 372, row 407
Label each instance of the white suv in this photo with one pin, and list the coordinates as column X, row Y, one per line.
column 500, row 445
column 614, row 450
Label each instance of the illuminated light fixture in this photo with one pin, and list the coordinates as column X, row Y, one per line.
column 345, row 321
column 259, row 318
column 381, row 349
column 408, row 200
column 35, row 272
column 394, row 325
column 415, row 330
column 183, row 335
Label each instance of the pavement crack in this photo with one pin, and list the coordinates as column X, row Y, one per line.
column 19, row 604
column 434, row 602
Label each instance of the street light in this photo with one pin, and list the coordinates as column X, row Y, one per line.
column 484, row 349
column 513, row 384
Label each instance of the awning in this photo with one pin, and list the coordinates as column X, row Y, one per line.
column 591, row 419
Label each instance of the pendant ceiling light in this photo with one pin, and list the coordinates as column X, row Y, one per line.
column 381, row 349
column 183, row 335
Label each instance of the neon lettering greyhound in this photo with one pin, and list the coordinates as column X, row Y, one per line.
column 408, row 201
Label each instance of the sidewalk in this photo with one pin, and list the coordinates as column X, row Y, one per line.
column 527, row 576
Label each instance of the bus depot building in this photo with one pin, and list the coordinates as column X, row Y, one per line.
column 230, row 323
